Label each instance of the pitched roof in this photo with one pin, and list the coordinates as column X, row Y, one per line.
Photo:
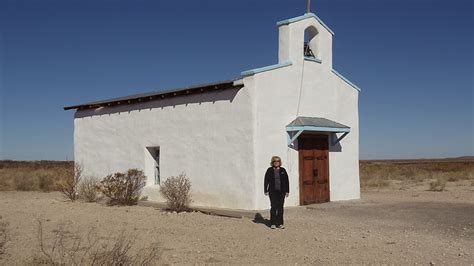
column 315, row 122
column 149, row 96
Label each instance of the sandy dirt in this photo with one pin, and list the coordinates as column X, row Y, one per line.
column 396, row 227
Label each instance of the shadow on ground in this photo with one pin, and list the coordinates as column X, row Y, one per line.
column 259, row 219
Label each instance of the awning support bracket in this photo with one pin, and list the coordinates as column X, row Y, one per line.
column 336, row 140
column 295, row 136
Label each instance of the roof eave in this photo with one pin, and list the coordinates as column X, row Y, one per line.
column 139, row 98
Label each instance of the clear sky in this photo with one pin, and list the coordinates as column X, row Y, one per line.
column 413, row 60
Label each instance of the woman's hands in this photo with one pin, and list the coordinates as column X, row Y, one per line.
column 266, row 193
column 286, row 195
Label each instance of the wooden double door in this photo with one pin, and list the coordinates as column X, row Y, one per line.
column 313, row 168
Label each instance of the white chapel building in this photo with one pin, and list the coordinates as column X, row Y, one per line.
column 222, row 135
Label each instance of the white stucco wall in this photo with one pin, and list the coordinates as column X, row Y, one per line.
column 323, row 94
column 208, row 136
column 224, row 140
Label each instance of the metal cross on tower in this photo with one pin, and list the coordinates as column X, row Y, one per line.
column 308, row 6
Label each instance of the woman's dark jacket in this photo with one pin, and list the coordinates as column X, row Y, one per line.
column 269, row 184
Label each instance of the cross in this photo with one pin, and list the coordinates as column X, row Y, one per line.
column 308, row 7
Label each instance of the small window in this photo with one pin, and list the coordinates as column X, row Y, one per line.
column 155, row 154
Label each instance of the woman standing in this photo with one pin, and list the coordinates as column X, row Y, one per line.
column 277, row 186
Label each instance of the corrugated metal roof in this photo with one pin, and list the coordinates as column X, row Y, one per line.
column 315, row 122
column 142, row 97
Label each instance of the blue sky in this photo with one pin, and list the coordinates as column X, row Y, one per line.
column 413, row 60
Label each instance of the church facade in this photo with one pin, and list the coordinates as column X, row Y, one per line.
column 222, row 135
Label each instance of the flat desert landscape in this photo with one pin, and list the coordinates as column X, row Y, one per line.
column 399, row 219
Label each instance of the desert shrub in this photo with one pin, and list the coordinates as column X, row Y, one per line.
column 46, row 183
column 3, row 236
column 123, row 188
column 438, row 185
column 177, row 191
column 70, row 184
column 6, row 184
column 452, row 178
column 26, row 183
column 67, row 248
column 375, row 183
column 89, row 189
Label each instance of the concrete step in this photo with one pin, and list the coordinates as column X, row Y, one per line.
column 233, row 213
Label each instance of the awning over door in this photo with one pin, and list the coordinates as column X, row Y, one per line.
column 315, row 124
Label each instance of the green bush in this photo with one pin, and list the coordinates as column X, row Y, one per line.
column 123, row 188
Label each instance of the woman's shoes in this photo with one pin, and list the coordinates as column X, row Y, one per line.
column 280, row 226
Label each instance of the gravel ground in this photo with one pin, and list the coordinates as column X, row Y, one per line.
column 393, row 227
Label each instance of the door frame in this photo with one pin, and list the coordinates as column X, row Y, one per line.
column 300, row 169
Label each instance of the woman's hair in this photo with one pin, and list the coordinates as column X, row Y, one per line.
column 273, row 158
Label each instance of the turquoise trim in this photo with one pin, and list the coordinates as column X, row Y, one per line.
column 300, row 129
column 319, row 129
column 305, row 16
column 346, row 80
column 335, row 140
column 317, row 60
column 291, row 140
column 263, row 69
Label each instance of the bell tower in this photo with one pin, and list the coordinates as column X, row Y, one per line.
column 305, row 37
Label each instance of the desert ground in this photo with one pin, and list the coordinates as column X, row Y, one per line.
column 395, row 222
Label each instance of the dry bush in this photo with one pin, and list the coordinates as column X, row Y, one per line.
column 123, row 188
column 89, row 189
column 33, row 175
column 438, row 185
column 46, row 183
column 177, row 191
column 66, row 248
column 70, row 185
column 3, row 236
column 375, row 183
column 27, row 183
column 6, row 184
column 452, row 179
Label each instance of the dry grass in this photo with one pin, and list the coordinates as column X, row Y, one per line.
column 3, row 236
column 68, row 248
column 379, row 174
column 48, row 175
column 34, row 175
